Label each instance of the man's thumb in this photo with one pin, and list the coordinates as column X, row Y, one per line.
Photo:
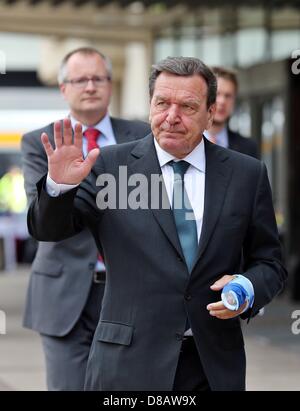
column 219, row 284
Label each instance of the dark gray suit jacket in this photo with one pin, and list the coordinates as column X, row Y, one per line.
column 242, row 144
column 62, row 272
column 149, row 292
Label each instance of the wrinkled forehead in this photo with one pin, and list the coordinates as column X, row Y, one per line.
column 172, row 86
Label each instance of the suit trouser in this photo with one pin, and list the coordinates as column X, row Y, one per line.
column 66, row 357
column 190, row 375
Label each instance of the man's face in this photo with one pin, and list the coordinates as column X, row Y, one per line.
column 178, row 112
column 225, row 101
column 90, row 100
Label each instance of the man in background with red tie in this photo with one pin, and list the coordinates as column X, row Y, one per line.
column 68, row 278
column 219, row 133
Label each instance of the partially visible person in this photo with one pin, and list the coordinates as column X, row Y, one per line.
column 219, row 132
column 12, row 195
column 68, row 278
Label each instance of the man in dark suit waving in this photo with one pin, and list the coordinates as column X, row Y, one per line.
column 67, row 281
column 219, row 132
column 163, row 325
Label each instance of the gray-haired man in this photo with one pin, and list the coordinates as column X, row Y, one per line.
column 162, row 324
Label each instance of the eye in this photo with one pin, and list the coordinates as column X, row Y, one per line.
column 187, row 108
column 162, row 104
column 80, row 80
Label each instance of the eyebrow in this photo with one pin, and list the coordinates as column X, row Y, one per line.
column 186, row 101
column 160, row 98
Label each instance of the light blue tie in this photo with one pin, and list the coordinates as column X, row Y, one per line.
column 184, row 215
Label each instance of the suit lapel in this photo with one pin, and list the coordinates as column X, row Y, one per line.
column 122, row 131
column 218, row 175
column 144, row 160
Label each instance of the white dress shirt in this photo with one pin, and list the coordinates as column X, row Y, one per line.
column 194, row 178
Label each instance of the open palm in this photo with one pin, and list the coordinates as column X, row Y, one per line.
column 66, row 164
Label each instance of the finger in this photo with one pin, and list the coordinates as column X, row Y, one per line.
column 90, row 160
column 216, row 306
column 47, row 145
column 219, row 284
column 68, row 134
column 58, row 134
column 224, row 314
column 78, row 136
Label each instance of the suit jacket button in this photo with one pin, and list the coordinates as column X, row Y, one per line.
column 187, row 297
column 179, row 336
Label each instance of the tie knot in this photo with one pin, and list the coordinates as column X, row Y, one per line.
column 180, row 167
column 92, row 135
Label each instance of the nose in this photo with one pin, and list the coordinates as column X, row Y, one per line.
column 90, row 85
column 173, row 114
column 220, row 99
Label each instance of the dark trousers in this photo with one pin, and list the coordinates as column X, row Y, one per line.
column 66, row 357
column 190, row 375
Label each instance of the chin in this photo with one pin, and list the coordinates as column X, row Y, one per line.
column 218, row 120
column 92, row 106
column 171, row 146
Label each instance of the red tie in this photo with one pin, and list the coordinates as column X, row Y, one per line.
column 92, row 135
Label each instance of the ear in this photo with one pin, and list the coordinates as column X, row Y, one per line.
column 62, row 88
column 211, row 113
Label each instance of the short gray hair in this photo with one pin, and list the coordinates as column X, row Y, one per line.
column 185, row 66
column 62, row 72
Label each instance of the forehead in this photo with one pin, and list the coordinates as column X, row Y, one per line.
column 80, row 64
column 180, row 87
column 225, row 85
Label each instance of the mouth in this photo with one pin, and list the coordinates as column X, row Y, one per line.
column 171, row 134
column 91, row 99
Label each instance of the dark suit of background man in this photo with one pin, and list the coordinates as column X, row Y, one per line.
column 219, row 132
column 66, row 284
column 162, row 324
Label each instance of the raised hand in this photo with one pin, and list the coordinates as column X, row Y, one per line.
column 66, row 164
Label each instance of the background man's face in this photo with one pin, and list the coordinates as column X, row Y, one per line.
column 178, row 112
column 90, row 99
column 225, row 101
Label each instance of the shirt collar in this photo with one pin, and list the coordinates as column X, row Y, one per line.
column 196, row 157
column 104, row 126
column 221, row 136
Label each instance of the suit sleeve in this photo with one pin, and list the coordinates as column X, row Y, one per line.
column 262, row 249
column 34, row 161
